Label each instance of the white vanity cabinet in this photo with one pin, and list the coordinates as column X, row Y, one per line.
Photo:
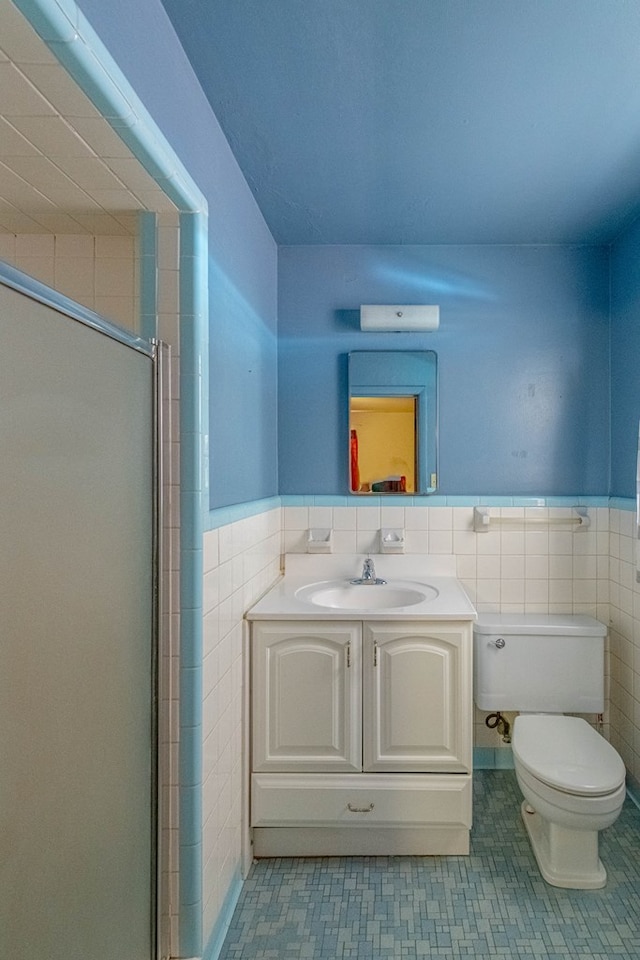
column 361, row 737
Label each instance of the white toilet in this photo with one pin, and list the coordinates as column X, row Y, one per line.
column 572, row 779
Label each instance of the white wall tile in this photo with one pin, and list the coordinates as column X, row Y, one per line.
column 295, row 541
column 536, row 591
column 536, row 542
column 560, row 567
column 416, row 541
column 210, row 552
column 241, row 560
column 440, row 541
column 8, row 247
column 584, row 591
column 561, row 592
column 74, row 278
column 344, row 541
column 440, row 518
column 74, row 247
column 75, row 265
column 488, row 567
column 512, row 567
column 585, row 567
column 464, row 542
column 320, row 517
column 463, row 518
column 35, row 245
column 367, row 541
column 114, row 277
column 536, row 567
column 296, row 518
column 488, row 591
column 41, row 268
column 466, row 566
column 561, row 542
column 344, row 518
column 392, row 517
column 512, row 592
column 512, row 542
column 118, row 248
column 367, row 518
column 416, row 518
column 627, row 523
column 489, row 543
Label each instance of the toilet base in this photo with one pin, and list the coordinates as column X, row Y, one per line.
column 566, row 858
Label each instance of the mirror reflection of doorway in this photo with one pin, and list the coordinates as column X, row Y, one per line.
column 385, row 430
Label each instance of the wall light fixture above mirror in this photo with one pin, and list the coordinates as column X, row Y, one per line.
column 394, row 317
column 393, row 422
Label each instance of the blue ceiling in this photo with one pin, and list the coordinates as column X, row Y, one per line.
column 427, row 121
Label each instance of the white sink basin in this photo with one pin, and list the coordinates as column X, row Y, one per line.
column 343, row 595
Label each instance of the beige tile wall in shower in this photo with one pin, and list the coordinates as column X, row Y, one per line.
column 100, row 273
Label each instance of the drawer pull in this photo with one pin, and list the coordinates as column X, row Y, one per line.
column 352, row 809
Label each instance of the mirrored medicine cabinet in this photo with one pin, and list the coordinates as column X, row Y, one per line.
column 393, row 422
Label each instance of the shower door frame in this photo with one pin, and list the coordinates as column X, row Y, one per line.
column 159, row 354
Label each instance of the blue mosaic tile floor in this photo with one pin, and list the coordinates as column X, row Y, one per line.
column 489, row 905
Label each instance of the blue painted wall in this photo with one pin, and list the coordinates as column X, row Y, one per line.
column 523, row 350
column 243, row 255
column 625, row 360
column 523, row 346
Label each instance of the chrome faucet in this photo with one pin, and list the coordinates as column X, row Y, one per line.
column 368, row 571
column 368, row 574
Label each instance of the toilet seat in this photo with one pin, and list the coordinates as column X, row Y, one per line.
column 567, row 754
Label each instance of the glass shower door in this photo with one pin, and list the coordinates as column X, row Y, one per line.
column 76, row 640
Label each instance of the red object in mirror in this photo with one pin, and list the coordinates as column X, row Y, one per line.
column 355, row 469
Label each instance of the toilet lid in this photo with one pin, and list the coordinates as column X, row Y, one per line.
column 568, row 754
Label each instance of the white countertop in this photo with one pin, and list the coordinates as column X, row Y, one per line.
column 302, row 570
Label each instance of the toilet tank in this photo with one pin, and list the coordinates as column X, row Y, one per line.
column 547, row 663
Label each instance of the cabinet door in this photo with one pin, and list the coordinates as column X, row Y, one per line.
column 306, row 696
column 417, row 697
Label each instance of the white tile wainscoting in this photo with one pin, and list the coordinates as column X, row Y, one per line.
column 241, row 561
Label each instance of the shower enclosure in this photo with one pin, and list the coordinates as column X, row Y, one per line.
column 78, row 625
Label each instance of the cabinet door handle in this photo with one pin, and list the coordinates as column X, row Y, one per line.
column 375, row 654
column 352, row 809
column 349, row 654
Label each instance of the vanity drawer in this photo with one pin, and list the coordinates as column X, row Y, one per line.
column 360, row 800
